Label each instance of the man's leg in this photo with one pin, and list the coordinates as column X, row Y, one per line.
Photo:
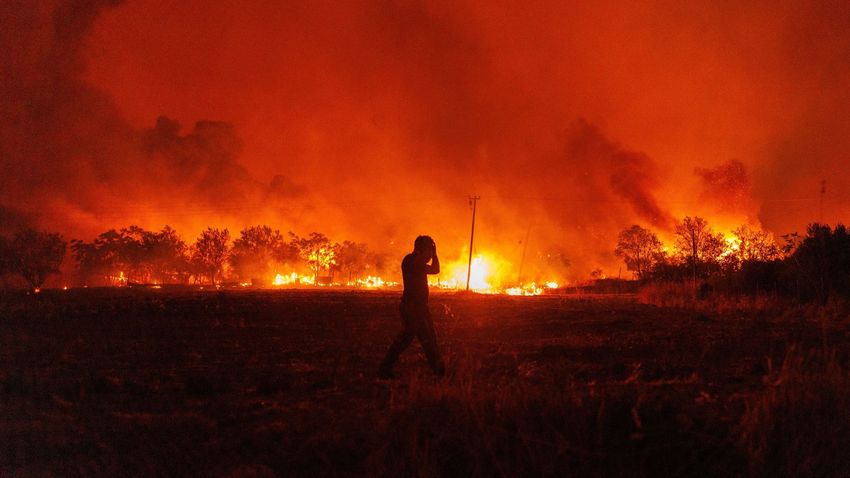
column 428, row 340
column 401, row 342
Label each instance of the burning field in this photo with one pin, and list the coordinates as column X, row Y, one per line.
column 106, row 382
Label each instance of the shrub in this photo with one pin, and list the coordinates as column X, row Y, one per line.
column 800, row 425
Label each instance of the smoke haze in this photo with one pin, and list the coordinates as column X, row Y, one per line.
column 374, row 121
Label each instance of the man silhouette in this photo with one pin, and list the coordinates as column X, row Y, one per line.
column 415, row 316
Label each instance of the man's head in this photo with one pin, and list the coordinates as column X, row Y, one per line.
column 424, row 245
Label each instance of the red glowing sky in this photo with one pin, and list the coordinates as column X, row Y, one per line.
column 573, row 118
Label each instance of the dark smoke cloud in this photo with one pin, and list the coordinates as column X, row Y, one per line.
column 575, row 198
column 201, row 164
column 49, row 119
column 374, row 121
column 71, row 161
column 632, row 176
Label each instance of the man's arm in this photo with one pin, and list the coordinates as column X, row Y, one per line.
column 434, row 268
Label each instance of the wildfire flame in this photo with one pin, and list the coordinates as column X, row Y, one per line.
column 733, row 244
column 295, row 279
column 372, row 282
column 292, row 278
column 488, row 275
column 530, row 289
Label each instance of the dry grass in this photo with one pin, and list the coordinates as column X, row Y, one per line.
column 668, row 294
column 106, row 383
column 799, row 425
column 704, row 298
column 462, row 427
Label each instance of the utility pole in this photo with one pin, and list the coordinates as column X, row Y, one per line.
column 524, row 248
column 822, row 194
column 473, row 201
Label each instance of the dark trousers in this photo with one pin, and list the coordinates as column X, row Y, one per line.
column 416, row 321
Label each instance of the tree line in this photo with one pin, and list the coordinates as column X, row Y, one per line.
column 136, row 255
column 811, row 267
column 814, row 266
column 258, row 253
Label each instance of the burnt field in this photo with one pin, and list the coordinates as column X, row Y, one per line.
column 279, row 383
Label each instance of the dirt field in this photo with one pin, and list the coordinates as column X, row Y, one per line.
column 265, row 383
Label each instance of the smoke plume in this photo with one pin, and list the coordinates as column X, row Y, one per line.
column 70, row 160
column 726, row 187
column 376, row 121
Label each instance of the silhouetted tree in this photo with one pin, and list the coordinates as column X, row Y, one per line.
column 164, row 254
column 34, row 255
column 257, row 251
column 210, row 252
column 821, row 263
column 640, row 249
column 131, row 250
column 317, row 250
column 351, row 257
column 792, row 241
column 103, row 257
column 133, row 254
column 749, row 245
column 697, row 244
